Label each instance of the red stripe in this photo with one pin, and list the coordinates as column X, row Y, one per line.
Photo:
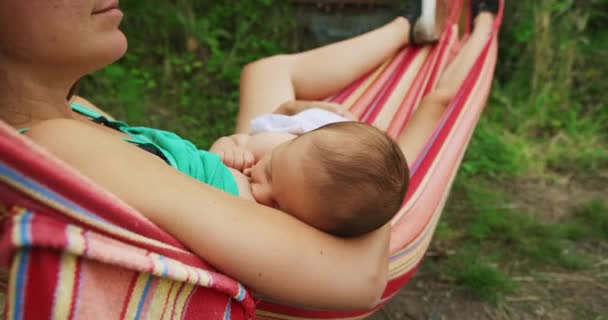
column 456, row 108
column 76, row 289
column 364, row 102
column 42, row 276
column 37, row 164
column 390, row 85
column 125, row 304
column 406, row 107
column 11, row 196
column 348, row 91
column 392, row 288
column 162, row 315
column 179, row 291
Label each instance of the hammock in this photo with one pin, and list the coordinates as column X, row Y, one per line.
column 73, row 250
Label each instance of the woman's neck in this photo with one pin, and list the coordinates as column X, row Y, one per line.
column 26, row 100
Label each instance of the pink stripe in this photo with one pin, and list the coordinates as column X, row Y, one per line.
column 364, row 102
column 417, row 218
column 406, row 107
column 348, row 91
column 76, row 289
column 127, row 297
column 389, row 87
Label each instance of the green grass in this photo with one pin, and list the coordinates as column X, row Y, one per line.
column 488, row 239
column 546, row 118
column 473, row 272
column 592, row 220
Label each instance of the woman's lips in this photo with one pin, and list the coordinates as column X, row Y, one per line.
column 111, row 7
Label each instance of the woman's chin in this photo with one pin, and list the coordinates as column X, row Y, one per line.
column 111, row 53
column 119, row 47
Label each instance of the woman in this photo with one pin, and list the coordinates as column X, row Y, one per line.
column 46, row 45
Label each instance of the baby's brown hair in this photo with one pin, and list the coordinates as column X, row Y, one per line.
column 366, row 177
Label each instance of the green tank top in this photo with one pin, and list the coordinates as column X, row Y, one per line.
column 181, row 154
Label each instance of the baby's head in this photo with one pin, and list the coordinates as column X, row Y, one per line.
column 345, row 178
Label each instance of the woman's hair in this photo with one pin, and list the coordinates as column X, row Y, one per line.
column 366, row 177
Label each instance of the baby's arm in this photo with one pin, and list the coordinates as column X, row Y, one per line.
column 240, row 151
column 262, row 143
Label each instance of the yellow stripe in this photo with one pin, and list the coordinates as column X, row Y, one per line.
column 204, row 278
column 403, row 85
column 16, row 234
column 65, row 287
column 80, row 217
column 179, row 271
column 12, row 290
column 355, row 95
column 158, row 265
column 181, row 300
column 171, row 299
column 76, row 240
column 136, row 295
column 416, row 253
column 158, row 299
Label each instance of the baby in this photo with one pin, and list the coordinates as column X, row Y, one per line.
column 344, row 178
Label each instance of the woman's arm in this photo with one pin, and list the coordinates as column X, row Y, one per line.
column 270, row 252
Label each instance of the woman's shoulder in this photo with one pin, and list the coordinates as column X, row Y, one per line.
column 58, row 126
column 67, row 136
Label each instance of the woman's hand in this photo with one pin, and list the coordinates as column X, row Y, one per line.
column 296, row 106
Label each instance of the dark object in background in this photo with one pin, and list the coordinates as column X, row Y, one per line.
column 321, row 22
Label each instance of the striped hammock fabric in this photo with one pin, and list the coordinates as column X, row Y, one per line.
column 74, row 251
column 386, row 98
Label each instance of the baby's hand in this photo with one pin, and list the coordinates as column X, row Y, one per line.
column 237, row 158
column 232, row 154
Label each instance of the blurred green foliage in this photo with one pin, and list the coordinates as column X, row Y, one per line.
column 182, row 68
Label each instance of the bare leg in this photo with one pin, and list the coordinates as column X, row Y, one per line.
column 458, row 69
column 315, row 74
column 425, row 119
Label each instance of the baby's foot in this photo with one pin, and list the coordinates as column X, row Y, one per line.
column 483, row 11
column 427, row 19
